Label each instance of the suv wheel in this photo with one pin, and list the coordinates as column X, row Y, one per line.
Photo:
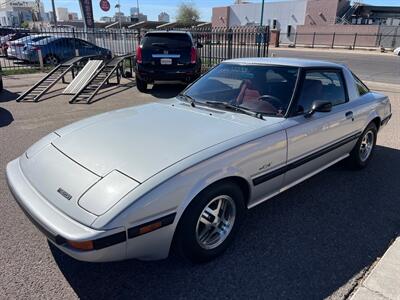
column 210, row 223
column 141, row 85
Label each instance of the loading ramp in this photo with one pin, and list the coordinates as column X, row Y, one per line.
column 114, row 67
column 34, row 93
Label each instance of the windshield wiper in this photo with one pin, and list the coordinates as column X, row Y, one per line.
column 189, row 99
column 235, row 108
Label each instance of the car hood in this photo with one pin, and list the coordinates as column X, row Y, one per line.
column 143, row 140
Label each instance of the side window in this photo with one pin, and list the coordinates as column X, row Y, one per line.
column 361, row 87
column 323, row 86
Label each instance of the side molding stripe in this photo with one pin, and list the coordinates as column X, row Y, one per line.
column 263, row 178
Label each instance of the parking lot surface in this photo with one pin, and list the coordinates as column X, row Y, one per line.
column 311, row 242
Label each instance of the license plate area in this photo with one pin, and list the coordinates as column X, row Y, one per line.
column 166, row 61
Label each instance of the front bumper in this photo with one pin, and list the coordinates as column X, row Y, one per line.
column 109, row 245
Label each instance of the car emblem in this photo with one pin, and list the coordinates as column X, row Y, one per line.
column 165, row 51
column 64, row 194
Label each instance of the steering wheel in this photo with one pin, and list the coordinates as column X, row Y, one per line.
column 275, row 101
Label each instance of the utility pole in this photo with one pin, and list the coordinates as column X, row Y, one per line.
column 119, row 13
column 54, row 13
column 262, row 13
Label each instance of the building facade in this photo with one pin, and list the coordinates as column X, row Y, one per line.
column 13, row 13
column 298, row 20
column 62, row 14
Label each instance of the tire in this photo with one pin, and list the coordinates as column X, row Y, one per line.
column 364, row 148
column 141, row 85
column 51, row 59
column 199, row 242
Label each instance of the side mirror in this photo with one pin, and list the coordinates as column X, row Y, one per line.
column 319, row 106
column 199, row 45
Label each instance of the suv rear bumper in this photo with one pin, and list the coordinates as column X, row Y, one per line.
column 178, row 73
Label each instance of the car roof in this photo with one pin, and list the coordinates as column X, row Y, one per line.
column 169, row 32
column 290, row 62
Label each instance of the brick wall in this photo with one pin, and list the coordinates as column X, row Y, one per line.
column 321, row 12
column 220, row 16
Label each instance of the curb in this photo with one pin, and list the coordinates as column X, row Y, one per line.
column 382, row 282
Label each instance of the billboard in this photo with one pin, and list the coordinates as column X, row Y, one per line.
column 87, row 13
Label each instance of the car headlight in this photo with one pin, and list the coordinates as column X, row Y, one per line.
column 41, row 144
column 107, row 192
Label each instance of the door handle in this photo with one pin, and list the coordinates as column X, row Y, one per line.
column 349, row 115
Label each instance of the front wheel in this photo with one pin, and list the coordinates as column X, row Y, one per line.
column 210, row 223
column 364, row 149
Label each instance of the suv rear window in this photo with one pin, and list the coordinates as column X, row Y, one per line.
column 167, row 40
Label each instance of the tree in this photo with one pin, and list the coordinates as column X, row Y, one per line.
column 187, row 13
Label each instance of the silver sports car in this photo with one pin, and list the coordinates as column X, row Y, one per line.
column 181, row 173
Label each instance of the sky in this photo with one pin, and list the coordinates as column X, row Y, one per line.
column 152, row 8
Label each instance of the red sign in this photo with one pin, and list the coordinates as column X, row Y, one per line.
column 105, row 5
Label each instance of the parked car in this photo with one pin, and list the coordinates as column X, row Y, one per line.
column 167, row 56
column 397, row 51
column 15, row 47
column 5, row 40
column 133, row 182
column 57, row 49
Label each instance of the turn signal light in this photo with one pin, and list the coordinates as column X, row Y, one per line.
column 84, row 246
column 150, row 227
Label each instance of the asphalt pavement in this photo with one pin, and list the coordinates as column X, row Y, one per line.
column 314, row 241
column 371, row 66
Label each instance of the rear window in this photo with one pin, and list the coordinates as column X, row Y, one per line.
column 167, row 40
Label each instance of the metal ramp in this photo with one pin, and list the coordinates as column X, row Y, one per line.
column 40, row 88
column 83, row 77
column 100, row 78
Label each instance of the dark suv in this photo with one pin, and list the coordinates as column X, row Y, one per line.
column 167, row 56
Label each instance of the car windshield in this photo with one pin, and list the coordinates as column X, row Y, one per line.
column 257, row 88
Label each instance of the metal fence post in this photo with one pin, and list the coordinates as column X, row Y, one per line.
column 313, row 40
column 295, row 39
column 333, row 40
column 40, row 56
column 355, row 41
column 230, row 33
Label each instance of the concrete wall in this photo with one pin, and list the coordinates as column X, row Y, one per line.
column 285, row 13
column 344, row 35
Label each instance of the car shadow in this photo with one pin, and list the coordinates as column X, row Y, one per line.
column 6, row 118
column 166, row 90
column 6, row 96
column 303, row 244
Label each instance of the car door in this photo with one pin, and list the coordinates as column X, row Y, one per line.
column 317, row 141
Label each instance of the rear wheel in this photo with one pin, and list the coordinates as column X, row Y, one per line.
column 141, row 85
column 51, row 59
column 364, row 149
column 210, row 223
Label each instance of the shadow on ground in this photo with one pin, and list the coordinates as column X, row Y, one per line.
column 6, row 117
column 303, row 244
column 166, row 90
column 6, row 96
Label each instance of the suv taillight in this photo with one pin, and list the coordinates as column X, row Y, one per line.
column 193, row 55
column 139, row 59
